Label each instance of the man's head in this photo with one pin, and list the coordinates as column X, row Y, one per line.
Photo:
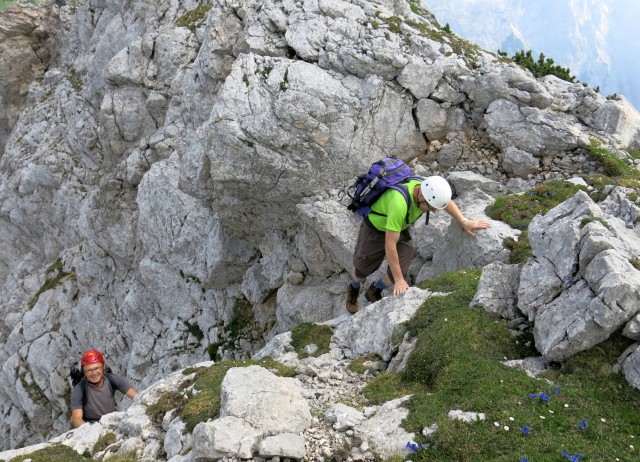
column 92, row 363
column 436, row 191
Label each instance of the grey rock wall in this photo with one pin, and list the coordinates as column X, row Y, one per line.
column 170, row 192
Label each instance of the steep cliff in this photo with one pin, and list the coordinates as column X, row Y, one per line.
column 169, row 186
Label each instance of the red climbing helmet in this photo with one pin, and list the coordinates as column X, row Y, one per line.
column 91, row 357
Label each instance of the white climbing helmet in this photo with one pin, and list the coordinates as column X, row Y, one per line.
column 436, row 191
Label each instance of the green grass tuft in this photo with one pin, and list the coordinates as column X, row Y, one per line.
column 617, row 172
column 613, row 166
column 457, row 364
column 240, row 326
column 309, row 333
column 56, row 453
column 193, row 19
column 602, row 221
column 205, row 403
column 103, row 442
column 55, row 275
column 520, row 248
column 517, row 210
column 368, row 363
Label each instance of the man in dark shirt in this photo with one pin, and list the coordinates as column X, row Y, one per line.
column 93, row 396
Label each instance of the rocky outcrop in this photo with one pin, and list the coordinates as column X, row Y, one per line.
column 25, row 53
column 582, row 285
column 169, row 188
column 263, row 416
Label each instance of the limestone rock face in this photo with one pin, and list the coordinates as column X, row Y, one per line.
column 172, row 177
column 25, row 52
column 580, row 287
column 253, row 394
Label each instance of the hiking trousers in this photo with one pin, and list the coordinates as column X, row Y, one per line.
column 370, row 253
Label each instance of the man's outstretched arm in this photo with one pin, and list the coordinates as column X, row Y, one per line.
column 469, row 226
column 77, row 418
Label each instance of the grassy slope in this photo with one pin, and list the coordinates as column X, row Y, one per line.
column 457, row 364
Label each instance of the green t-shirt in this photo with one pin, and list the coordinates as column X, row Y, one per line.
column 393, row 205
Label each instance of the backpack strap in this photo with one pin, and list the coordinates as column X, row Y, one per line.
column 85, row 388
column 403, row 189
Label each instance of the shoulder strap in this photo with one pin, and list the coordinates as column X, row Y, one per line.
column 404, row 190
column 84, row 383
column 112, row 383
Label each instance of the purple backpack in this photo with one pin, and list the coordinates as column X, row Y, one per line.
column 388, row 173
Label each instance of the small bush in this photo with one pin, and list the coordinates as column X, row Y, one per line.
column 612, row 165
column 55, row 275
column 542, row 66
column 240, row 326
column 5, row 3
column 167, row 401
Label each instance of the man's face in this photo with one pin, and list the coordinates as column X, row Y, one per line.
column 93, row 372
column 423, row 204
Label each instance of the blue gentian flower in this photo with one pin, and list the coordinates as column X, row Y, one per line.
column 556, row 391
column 525, row 429
column 572, row 457
column 413, row 446
column 583, row 424
column 544, row 397
column 524, row 459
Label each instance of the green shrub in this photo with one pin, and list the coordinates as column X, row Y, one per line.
column 517, row 210
column 240, row 326
column 586, row 221
column 55, row 275
column 542, row 66
column 167, row 401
